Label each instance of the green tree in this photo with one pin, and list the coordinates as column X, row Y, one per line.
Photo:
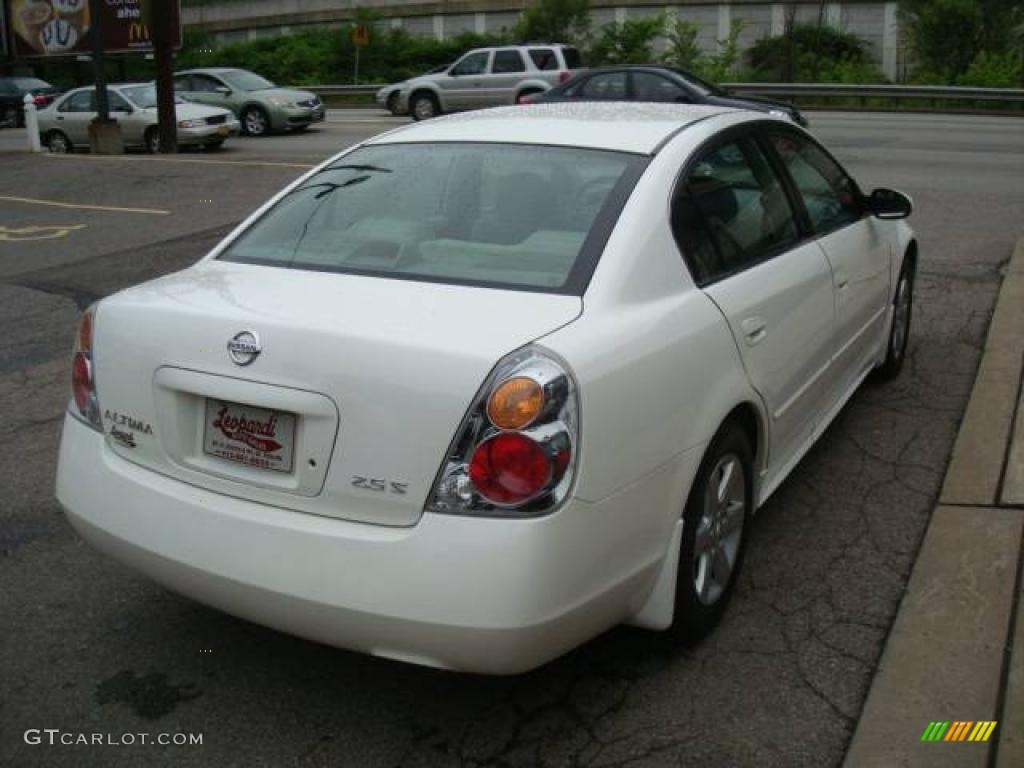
column 627, row 42
column 722, row 65
column 555, row 21
column 681, row 49
column 947, row 36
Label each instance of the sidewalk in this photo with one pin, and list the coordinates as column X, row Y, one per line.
column 955, row 653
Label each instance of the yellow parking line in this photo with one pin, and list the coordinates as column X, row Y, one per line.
column 200, row 161
column 82, row 206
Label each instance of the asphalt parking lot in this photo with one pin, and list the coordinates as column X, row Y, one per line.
column 90, row 647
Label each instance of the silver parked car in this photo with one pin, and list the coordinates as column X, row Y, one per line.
column 489, row 77
column 64, row 125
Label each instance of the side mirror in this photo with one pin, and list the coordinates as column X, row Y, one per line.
column 889, row 204
column 223, row 90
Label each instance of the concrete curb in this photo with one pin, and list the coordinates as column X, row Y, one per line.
column 948, row 655
column 976, row 465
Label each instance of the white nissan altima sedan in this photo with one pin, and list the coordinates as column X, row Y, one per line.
column 476, row 390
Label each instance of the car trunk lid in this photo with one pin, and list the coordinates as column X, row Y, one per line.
column 361, row 382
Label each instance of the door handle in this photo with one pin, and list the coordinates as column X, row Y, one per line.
column 841, row 282
column 60, row 117
column 754, row 330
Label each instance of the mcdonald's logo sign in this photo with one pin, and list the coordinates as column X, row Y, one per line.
column 138, row 33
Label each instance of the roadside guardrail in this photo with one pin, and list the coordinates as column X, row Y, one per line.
column 804, row 92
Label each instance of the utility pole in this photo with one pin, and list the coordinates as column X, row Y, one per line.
column 161, row 26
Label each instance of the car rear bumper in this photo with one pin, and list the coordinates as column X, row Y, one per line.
column 481, row 595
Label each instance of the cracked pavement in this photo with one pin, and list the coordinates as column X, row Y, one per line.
column 90, row 647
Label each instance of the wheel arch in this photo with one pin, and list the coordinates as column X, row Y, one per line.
column 530, row 86
column 751, row 419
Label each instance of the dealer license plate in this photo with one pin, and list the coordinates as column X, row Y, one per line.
column 256, row 437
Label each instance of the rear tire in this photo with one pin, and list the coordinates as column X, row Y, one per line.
column 899, row 330
column 520, row 99
column 423, row 106
column 714, row 533
column 9, row 117
column 58, row 143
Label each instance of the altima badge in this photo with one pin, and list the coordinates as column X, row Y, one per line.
column 244, row 347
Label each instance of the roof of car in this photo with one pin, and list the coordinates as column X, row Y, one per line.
column 621, row 126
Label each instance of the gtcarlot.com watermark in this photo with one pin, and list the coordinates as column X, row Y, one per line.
column 55, row 736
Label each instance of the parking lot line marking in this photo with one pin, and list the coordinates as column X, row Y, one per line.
column 200, row 161
column 21, row 234
column 83, row 206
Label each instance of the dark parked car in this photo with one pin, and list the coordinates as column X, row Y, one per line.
column 661, row 84
column 12, row 95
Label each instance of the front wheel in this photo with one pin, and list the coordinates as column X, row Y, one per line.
column 714, row 533
column 899, row 331
column 152, row 140
column 392, row 104
column 255, row 122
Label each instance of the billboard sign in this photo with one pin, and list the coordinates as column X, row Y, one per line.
column 65, row 27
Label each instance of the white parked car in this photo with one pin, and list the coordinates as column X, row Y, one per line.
column 64, row 124
column 474, row 391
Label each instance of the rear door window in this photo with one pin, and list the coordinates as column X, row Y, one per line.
column 506, row 62
column 602, row 87
column 83, row 101
column 527, row 217
column 731, row 212
column 650, row 87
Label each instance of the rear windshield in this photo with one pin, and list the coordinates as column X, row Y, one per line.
column 572, row 58
column 515, row 216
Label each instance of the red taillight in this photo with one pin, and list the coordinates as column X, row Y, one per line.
column 514, row 455
column 83, row 376
column 81, row 381
column 510, row 468
column 40, row 100
column 564, row 76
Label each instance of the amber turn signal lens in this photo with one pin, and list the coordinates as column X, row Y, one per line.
column 85, row 332
column 515, row 403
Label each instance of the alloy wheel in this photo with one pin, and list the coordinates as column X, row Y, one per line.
column 901, row 317
column 719, row 529
column 58, row 143
column 423, row 108
column 255, row 122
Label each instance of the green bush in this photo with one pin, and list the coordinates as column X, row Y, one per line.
column 993, row 70
column 812, row 53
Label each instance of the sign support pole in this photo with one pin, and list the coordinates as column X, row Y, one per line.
column 159, row 16
column 99, row 66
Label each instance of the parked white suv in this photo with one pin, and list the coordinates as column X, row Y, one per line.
column 488, row 77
